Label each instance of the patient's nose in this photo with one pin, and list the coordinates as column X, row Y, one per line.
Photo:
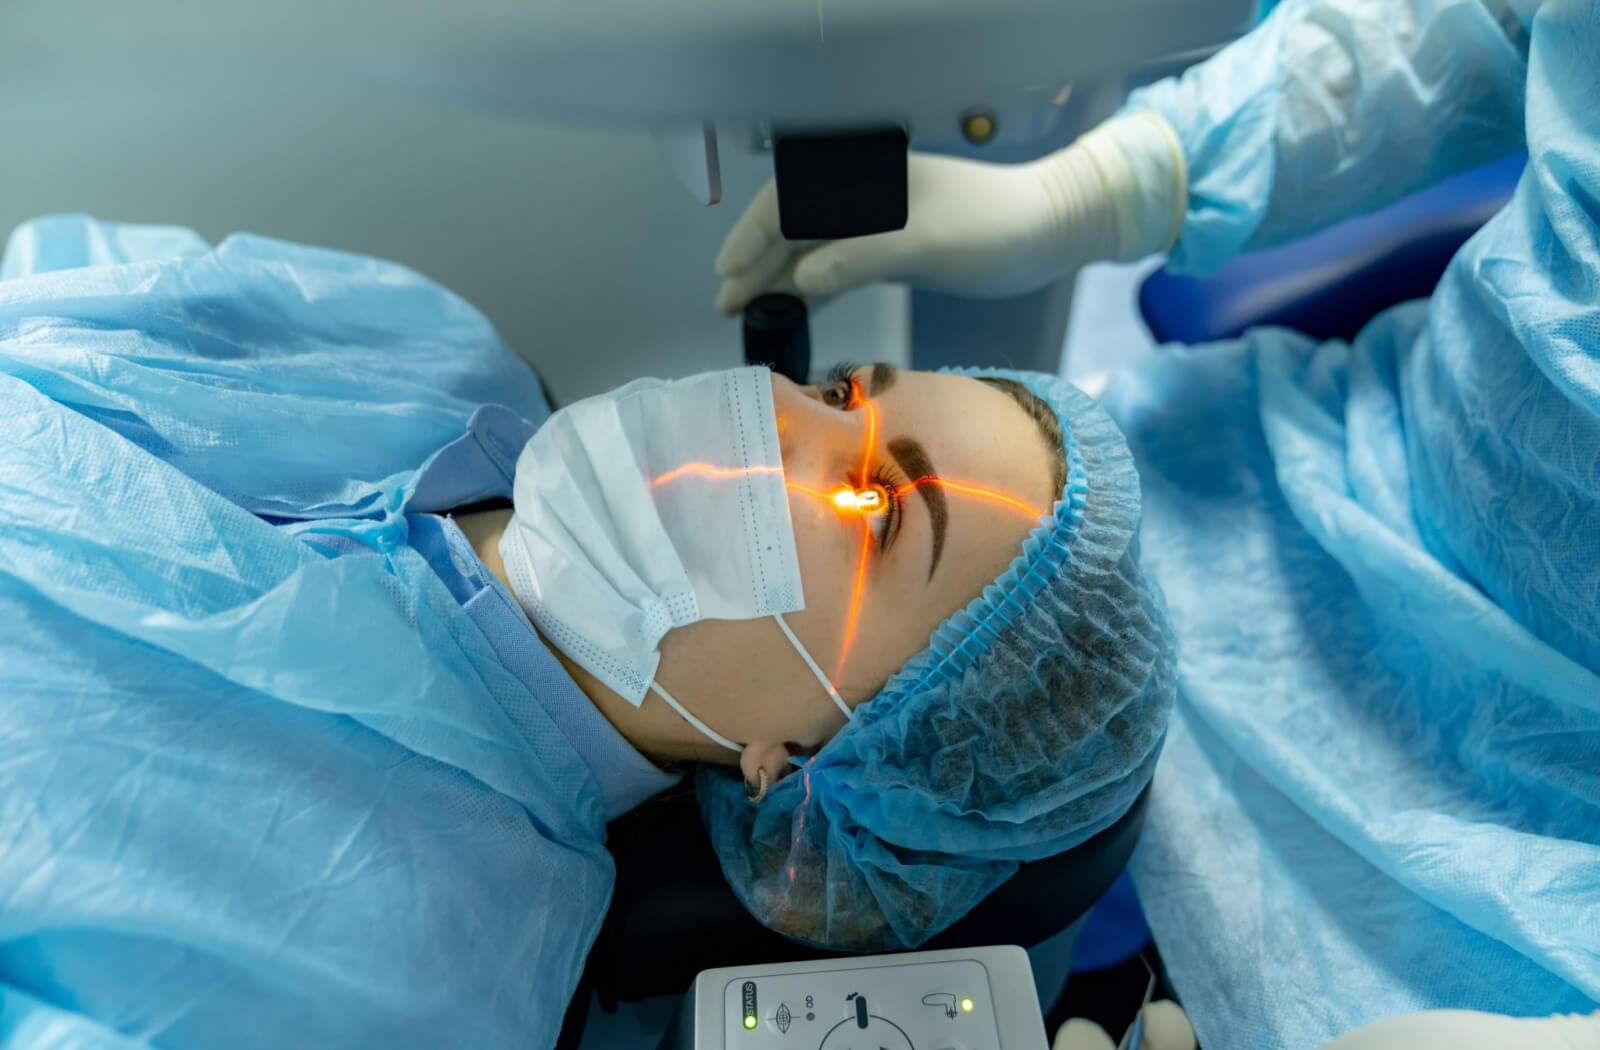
column 810, row 432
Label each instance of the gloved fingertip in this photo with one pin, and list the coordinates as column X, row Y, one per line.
column 728, row 302
column 736, row 254
column 1081, row 1034
column 816, row 278
column 1167, row 1027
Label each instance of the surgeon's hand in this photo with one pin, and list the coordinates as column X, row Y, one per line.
column 985, row 230
column 1166, row 1027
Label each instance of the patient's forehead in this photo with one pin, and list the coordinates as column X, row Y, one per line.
column 973, row 432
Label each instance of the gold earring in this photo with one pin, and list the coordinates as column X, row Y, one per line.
column 759, row 795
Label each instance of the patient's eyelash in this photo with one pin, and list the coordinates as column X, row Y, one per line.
column 887, row 481
column 841, row 372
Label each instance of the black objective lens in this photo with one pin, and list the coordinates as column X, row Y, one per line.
column 777, row 335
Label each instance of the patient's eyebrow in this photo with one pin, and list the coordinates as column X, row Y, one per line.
column 882, row 378
column 913, row 459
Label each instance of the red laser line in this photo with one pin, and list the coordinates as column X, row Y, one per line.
column 808, row 490
column 855, row 600
column 866, row 527
column 872, row 428
column 971, row 490
column 799, row 830
column 707, row 470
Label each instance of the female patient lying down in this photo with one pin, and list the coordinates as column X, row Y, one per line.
column 307, row 738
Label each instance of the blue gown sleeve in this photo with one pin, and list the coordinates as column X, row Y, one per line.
column 1335, row 108
column 1382, row 561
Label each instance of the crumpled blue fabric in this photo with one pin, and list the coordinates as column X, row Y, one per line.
column 261, row 779
column 1031, row 722
column 1382, row 559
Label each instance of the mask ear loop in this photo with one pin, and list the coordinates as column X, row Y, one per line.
column 683, row 712
column 849, row 715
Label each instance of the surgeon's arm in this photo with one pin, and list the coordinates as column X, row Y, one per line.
column 1335, row 108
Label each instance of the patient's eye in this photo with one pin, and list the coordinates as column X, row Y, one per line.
column 839, row 388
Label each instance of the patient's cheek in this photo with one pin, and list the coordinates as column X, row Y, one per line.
column 819, row 537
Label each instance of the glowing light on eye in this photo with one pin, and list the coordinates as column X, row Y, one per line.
column 858, row 499
column 708, row 471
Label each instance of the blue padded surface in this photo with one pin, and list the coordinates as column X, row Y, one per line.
column 1330, row 284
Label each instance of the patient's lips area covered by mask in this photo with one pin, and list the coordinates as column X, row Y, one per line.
column 606, row 561
column 651, row 507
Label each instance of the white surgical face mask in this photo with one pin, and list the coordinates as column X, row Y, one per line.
column 648, row 508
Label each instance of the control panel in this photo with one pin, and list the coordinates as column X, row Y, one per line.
column 971, row 999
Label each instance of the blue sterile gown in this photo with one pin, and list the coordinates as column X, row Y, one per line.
column 263, row 782
column 1381, row 792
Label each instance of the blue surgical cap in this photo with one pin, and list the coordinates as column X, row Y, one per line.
column 1031, row 722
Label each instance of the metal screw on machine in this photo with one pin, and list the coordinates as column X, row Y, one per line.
column 979, row 127
column 777, row 334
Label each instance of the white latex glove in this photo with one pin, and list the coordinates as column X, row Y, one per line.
column 986, row 230
column 1082, row 1034
column 1166, row 1027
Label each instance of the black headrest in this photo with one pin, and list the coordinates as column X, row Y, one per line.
column 673, row 915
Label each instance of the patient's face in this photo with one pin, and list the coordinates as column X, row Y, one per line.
column 932, row 452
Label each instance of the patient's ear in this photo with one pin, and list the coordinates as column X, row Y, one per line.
column 774, row 758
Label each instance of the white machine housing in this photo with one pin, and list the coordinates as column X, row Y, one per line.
column 924, row 64
column 677, row 68
column 967, row 999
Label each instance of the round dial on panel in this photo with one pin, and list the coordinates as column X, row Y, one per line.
column 863, row 1030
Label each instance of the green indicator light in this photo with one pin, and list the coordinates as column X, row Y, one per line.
column 966, row 1004
column 747, row 1005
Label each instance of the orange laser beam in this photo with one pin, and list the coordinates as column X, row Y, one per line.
column 866, row 528
column 971, row 490
column 707, row 470
column 855, row 600
column 808, row 490
column 799, row 831
column 872, row 431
